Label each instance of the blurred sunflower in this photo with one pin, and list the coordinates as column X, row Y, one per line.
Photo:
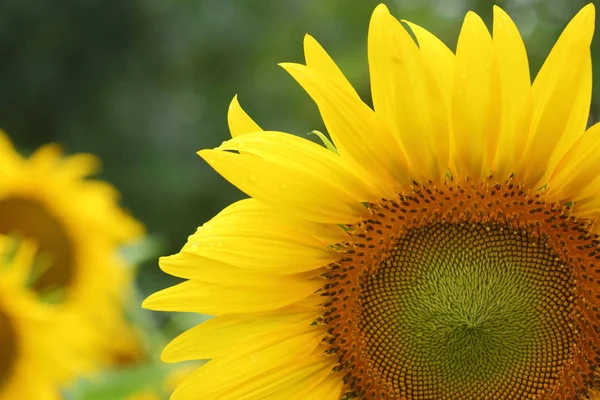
column 445, row 249
column 79, row 226
column 33, row 358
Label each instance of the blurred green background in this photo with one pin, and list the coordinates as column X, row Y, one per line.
column 144, row 84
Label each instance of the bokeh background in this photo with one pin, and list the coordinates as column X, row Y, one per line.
column 144, row 84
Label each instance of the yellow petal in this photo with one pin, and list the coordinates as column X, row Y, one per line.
column 318, row 60
column 589, row 206
column 250, row 235
column 306, row 385
column 260, row 249
column 292, row 175
column 356, row 131
column 577, row 173
column 258, row 375
column 577, row 177
column 214, row 299
column 438, row 58
column 561, row 99
column 475, row 100
column 219, row 376
column 253, row 210
column 47, row 157
column 239, row 334
column 515, row 91
column 407, row 97
column 240, row 122
column 11, row 160
column 80, row 165
column 330, row 388
column 196, row 267
column 294, row 382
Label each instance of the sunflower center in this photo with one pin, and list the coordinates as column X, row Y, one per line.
column 464, row 310
column 29, row 218
column 473, row 291
column 8, row 349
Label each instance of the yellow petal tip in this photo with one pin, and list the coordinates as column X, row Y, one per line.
column 472, row 15
column 497, row 10
column 290, row 66
column 381, row 8
column 586, row 16
column 472, row 27
column 309, row 44
column 166, row 356
column 234, row 102
column 148, row 302
column 591, row 8
column 205, row 153
column 308, row 38
column 155, row 301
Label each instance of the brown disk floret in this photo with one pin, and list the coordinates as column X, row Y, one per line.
column 466, row 291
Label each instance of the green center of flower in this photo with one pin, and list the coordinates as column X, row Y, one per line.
column 8, row 349
column 30, row 219
column 465, row 311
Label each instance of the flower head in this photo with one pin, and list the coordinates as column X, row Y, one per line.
column 446, row 249
column 35, row 358
column 78, row 227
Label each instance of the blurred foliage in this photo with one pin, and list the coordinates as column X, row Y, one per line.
column 144, row 84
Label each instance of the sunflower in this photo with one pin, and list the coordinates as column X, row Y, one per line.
column 78, row 226
column 33, row 352
column 444, row 246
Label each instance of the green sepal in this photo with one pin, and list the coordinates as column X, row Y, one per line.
column 328, row 143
